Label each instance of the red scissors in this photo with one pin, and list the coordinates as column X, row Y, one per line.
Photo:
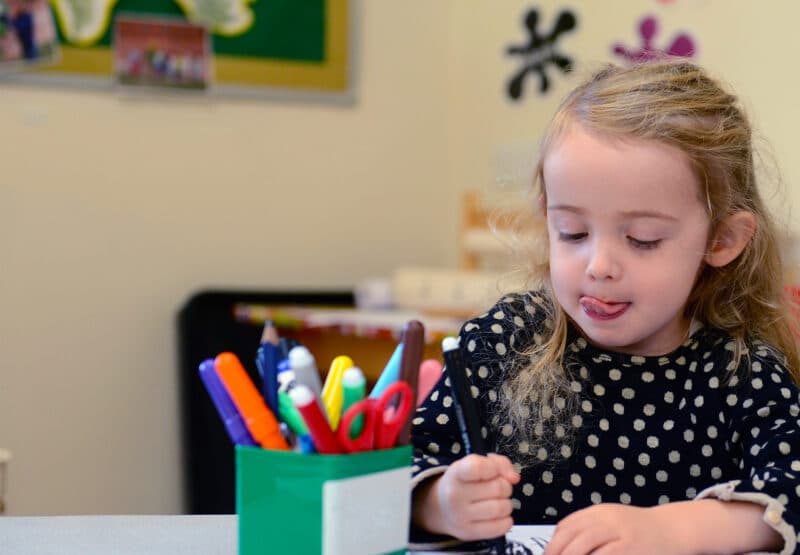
column 381, row 427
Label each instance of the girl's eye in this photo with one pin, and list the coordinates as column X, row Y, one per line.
column 644, row 245
column 571, row 237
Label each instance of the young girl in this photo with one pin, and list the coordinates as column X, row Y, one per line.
column 644, row 397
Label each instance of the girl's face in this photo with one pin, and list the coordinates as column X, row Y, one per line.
column 628, row 233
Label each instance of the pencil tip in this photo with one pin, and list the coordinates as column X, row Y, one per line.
column 270, row 333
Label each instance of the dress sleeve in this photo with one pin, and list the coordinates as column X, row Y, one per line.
column 764, row 409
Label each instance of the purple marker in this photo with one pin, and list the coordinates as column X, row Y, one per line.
column 234, row 424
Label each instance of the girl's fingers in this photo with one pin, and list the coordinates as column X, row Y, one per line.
column 475, row 468
column 489, row 509
column 589, row 541
column 578, row 519
column 486, row 529
column 561, row 537
column 567, row 528
column 499, row 488
column 607, row 549
column 579, row 541
column 476, row 492
column 504, row 467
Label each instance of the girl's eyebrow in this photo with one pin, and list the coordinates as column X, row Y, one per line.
column 648, row 214
column 566, row 208
column 625, row 213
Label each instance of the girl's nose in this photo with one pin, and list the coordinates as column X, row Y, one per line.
column 603, row 263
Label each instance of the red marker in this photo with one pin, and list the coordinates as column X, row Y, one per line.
column 321, row 434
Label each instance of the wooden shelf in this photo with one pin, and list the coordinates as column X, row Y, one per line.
column 368, row 337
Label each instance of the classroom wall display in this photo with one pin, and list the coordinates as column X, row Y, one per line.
column 27, row 33
column 260, row 47
column 681, row 44
column 161, row 52
column 540, row 51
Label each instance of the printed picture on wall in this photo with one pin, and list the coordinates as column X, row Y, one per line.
column 27, row 33
column 682, row 44
column 161, row 52
column 540, row 50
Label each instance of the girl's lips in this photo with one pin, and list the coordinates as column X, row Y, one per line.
column 602, row 310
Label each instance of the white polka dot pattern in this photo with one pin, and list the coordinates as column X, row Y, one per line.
column 644, row 430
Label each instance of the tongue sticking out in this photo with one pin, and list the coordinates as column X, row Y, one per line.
column 591, row 304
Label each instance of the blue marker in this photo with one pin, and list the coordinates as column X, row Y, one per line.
column 231, row 418
column 306, row 444
column 390, row 374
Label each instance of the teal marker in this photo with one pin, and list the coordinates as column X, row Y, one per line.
column 390, row 374
column 354, row 387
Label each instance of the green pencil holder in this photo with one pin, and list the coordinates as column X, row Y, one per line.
column 357, row 504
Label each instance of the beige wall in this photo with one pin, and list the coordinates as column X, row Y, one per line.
column 137, row 204
column 749, row 44
column 112, row 212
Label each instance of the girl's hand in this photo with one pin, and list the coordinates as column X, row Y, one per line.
column 613, row 529
column 471, row 500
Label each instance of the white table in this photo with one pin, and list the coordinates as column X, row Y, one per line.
column 119, row 535
column 144, row 535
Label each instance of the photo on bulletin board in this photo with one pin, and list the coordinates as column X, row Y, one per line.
column 259, row 48
column 27, row 34
column 161, row 52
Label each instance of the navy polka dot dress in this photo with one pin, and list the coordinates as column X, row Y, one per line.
column 643, row 430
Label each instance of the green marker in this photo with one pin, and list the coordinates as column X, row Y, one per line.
column 354, row 387
column 290, row 415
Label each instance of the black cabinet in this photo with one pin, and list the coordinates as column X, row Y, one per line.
column 207, row 327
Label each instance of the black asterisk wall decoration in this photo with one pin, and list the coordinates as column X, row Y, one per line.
column 540, row 51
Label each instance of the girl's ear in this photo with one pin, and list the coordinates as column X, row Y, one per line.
column 732, row 236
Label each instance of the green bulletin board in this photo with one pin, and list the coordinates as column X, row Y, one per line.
column 287, row 44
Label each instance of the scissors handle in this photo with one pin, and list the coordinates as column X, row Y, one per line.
column 388, row 428
column 365, row 440
column 380, row 430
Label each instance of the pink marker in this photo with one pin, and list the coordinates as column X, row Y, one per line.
column 429, row 373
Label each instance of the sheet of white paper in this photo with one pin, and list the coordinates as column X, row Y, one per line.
column 532, row 536
column 524, row 539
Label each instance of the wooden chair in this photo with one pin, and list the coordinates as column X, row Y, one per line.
column 480, row 246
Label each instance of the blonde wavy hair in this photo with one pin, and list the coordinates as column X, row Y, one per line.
column 676, row 103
